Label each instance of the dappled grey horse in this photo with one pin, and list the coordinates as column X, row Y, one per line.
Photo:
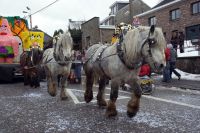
column 57, row 61
column 121, row 63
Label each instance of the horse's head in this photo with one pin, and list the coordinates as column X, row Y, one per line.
column 153, row 47
column 63, row 48
column 36, row 55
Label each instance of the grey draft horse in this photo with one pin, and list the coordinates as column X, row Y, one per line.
column 57, row 61
column 121, row 63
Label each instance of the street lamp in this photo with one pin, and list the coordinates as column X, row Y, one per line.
column 29, row 15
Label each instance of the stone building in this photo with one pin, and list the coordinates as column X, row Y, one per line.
column 93, row 33
column 175, row 15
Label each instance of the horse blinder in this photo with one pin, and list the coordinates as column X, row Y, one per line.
column 151, row 42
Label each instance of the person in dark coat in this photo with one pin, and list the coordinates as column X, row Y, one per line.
column 78, row 66
column 181, row 38
column 172, row 62
column 175, row 40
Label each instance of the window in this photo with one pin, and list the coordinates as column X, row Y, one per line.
column 193, row 32
column 152, row 21
column 175, row 14
column 114, row 10
column 195, row 7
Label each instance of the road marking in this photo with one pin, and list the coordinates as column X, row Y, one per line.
column 76, row 101
column 74, row 98
column 170, row 101
column 165, row 100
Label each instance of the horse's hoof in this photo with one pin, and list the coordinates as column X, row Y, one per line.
column 64, row 98
column 52, row 94
column 131, row 114
column 102, row 103
column 110, row 113
column 25, row 84
column 88, row 98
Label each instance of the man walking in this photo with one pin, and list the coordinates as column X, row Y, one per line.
column 172, row 62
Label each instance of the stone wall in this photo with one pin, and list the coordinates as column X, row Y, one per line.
column 93, row 34
column 189, row 64
column 106, row 35
column 90, row 32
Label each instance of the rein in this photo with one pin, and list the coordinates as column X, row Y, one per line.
column 121, row 53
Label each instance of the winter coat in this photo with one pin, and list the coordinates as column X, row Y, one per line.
column 173, row 55
column 174, row 41
column 167, row 54
column 145, row 70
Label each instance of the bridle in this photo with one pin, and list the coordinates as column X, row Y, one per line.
column 32, row 54
column 132, row 65
column 57, row 58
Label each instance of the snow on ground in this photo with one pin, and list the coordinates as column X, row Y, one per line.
column 189, row 50
column 187, row 76
column 184, row 75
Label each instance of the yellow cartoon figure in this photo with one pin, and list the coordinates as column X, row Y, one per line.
column 32, row 39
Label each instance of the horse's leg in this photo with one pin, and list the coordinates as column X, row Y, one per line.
column 37, row 79
column 100, row 96
column 111, row 108
column 26, row 77
column 32, row 78
column 89, row 83
column 133, row 104
column 63, row 95
column 37, row 83
column 51, row 84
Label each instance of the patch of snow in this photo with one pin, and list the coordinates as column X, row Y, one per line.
column 189, row 50
column 187, row 76
column 32, row 95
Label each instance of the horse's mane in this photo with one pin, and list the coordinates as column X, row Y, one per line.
column 65, row 39
column 133, row 40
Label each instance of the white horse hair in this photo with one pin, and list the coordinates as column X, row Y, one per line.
column 102, row 62
column 57, row 62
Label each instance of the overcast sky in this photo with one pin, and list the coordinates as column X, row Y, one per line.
column 56, row 16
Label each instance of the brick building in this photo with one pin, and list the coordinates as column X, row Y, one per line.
column 94, row 31
column 175, row 15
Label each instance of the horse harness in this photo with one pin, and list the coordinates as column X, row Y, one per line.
column 99, row 58
column 121, row 53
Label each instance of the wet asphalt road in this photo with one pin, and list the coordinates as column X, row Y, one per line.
column 25, row 110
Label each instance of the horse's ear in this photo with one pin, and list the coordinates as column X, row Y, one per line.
column 152, row 29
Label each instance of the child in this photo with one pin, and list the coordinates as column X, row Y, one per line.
column 146, row 82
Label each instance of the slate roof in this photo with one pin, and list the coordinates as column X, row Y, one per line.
column 163, row 3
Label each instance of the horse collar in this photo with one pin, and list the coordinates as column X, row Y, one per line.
column 121, row 54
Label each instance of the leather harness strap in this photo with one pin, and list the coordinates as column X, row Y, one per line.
column 121, row 57
column 99, row 62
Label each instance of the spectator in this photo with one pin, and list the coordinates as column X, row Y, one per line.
column 166, row 70
column 114, row 39
column 78, row 66
column 136, row 22
column 146, row 82
column 145, row 70
column 173, row 56
column 174, row 40
column 181, row 38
